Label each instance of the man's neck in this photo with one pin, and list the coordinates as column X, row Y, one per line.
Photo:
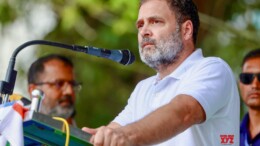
column 165, row 70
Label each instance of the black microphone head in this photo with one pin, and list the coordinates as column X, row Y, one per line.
column 127, row 57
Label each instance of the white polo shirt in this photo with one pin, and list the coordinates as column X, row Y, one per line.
column 211, row 82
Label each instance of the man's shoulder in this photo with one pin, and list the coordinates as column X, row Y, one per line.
column 213, row 59
column 214, row 62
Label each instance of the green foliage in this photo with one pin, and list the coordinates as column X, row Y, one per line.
column 6, row 13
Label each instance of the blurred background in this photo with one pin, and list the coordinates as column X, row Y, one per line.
column 229, row 29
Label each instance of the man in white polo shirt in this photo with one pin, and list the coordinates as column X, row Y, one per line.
column 192, row 101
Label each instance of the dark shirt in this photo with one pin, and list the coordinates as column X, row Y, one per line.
column 245, row 139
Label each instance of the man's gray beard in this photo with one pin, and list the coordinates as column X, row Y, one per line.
column 63, row 112
column 166, row 51
column 59, row 111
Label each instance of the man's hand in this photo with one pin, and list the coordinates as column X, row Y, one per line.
column 106, row 136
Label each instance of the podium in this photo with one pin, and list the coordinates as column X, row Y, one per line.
column 40, row 129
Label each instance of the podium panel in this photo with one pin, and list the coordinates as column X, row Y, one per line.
column 40, row 129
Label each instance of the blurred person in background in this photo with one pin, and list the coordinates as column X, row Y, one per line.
column 53, row 74
column 249, row 84
column 192, row 101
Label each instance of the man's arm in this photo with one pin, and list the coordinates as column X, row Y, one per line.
column 165, row 122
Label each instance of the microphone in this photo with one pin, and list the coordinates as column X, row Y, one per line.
column 124, row 57
column 37, row 96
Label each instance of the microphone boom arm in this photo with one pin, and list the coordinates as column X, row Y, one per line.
column 7, row 86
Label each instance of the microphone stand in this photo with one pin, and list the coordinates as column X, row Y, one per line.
column 7, row 86
column 39, row 128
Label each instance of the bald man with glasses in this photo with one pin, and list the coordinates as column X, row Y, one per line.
column 249, row 83
column 53, row 74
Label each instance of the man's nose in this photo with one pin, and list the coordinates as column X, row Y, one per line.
column 68, row 89
column 255, row 83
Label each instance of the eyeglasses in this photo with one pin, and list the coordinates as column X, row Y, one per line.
column 62, row 84
column 247, row 78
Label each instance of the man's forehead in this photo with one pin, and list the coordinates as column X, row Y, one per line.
column 252, row 64
column 154, row 8
column 56, row 68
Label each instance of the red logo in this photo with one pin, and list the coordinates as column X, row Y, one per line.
column 227, row 139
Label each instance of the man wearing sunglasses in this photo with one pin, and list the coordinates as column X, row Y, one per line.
column 53, row 74
column 250, row 91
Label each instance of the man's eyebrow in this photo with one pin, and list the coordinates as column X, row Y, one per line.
column 155, row 17
column 149, row 18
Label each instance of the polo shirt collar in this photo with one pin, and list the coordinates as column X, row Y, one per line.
column 187, row 64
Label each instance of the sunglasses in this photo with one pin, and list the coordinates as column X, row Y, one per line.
column 247, row 78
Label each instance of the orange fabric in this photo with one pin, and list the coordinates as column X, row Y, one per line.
column 19, row 108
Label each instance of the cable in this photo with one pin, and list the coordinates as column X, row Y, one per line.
column 65, row 127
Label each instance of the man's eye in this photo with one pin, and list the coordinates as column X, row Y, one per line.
column 139, row 26
column 59, row 84
column 156, row 21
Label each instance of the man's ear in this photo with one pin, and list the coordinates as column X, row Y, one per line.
column 187, row 30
